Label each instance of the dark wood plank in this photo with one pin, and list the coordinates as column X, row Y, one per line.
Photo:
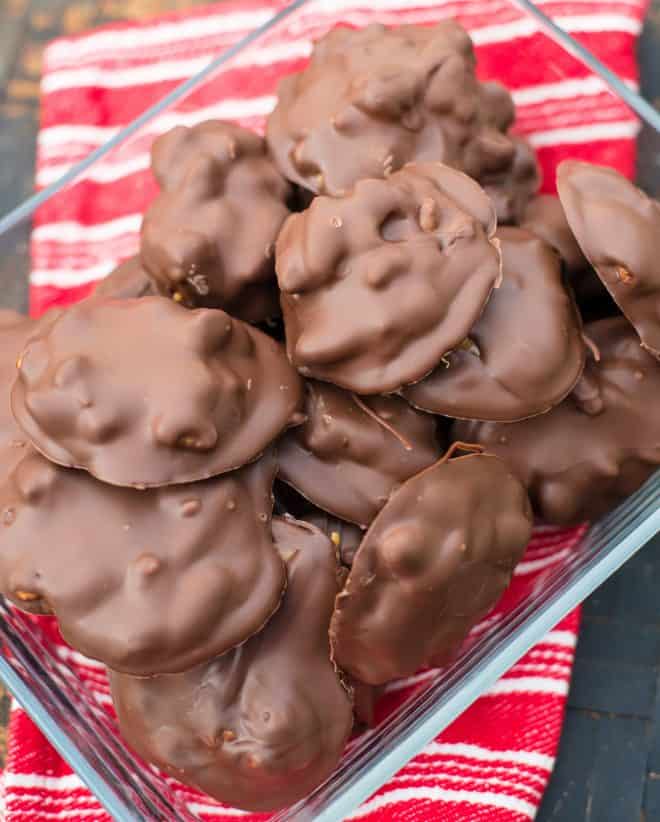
column 618, row 773
column 568, row 795
column 13, row 22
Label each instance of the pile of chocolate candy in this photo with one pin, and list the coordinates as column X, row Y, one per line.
column 431, row 304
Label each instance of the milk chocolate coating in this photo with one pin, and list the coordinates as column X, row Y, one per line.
column 365, row 702
column 15, row 330
column 146, row 393
column 208, row 238
column 618, row 229
column 434, row 561
column 511, row 188
column 173, row 152
column 544, row 216
column 148, row 582
column 378, row 285
column 128, row 281
column 524, row 354
column 350, row 454
column 373, row 99
column 586, row 455
column 261, row 726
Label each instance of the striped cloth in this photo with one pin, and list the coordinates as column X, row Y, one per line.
column 492, row 763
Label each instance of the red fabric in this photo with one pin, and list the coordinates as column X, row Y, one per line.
column 494, row 761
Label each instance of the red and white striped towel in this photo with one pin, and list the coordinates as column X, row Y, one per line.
column 493, row 763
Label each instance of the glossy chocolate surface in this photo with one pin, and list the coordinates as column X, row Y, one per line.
column 263, row 725
column 524, row 354
column 148, row 582
column 146, row 393
column 585, row 456
column 350, row 454
column 208, row 238
column 434, row 561
column 618, row 228
column 373, row 99
column 378, row 285
column 128, row 281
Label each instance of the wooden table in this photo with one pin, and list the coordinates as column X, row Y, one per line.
column 609, row 762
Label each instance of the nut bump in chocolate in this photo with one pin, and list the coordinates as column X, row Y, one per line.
column 377, row 286
column 146, row 393
column 435, row 560
column 524, row 354
column 261, row 726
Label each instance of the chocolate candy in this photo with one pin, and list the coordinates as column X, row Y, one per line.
column 15, row 330
column 586, row 455
column 148, row 582
column 261, row 726
column 373, row 99
column 433, row 563
column 146, row 393
column 617, row 227
column 128, row 281
column 379, row 285
column 350, row 453
column 523, row 355
column 511, row 188
column 208, row 239
column 173, row 152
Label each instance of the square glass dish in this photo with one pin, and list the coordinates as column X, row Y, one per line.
column 239, row 84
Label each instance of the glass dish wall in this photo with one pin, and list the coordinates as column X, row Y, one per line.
column 240, row 85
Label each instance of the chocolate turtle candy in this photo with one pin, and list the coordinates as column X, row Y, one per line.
column 377, row 286
column 208, row 238
column 128, row 281
column 261, row 726
column 435, row 560
column 618, row 228
column 373, row 99
column 524, row 354
column 148, row 582
column 146, row 393
column 586, row 455
column 350, row 453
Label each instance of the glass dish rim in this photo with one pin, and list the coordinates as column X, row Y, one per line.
column 631, row 522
